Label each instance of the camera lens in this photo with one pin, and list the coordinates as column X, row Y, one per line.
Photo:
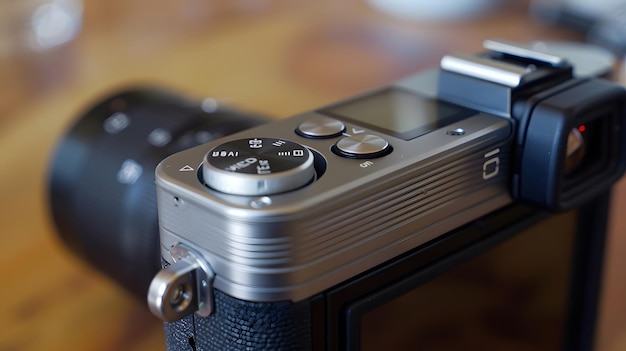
column 102, row 192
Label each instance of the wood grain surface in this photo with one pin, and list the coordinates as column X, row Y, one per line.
column 271, row 57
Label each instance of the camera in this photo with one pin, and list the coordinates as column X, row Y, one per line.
column 461, row 207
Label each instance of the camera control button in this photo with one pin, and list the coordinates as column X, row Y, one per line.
column 320, row 127
column 258, row 166
column 362, row 146
column 455, row 132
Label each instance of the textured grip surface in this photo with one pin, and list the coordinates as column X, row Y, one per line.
column 242, row 325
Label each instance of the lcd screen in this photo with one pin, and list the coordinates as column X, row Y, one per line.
column 399, row 113
column 511, row 297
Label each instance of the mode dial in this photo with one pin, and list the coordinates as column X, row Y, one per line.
column 258, row 166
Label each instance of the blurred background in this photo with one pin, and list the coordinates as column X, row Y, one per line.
column 272, row 57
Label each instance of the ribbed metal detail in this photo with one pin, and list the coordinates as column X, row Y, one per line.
column 410, row 196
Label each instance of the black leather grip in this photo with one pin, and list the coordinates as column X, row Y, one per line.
column 243, row 325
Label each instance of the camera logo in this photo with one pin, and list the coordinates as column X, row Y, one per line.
column 491, row 167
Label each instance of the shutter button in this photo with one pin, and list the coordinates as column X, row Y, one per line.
column 362, row 146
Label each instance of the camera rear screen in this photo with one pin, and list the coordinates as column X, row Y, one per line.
column 511, row 297
column 400, row 113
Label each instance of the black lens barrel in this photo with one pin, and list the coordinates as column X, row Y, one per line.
column 102, row 192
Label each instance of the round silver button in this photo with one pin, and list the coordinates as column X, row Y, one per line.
column 362, row 146
column 258, row 166
column 456, row 132
column 321, row 127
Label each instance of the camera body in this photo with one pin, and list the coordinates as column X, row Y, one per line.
column 261, row 230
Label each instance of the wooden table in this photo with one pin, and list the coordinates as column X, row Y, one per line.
column 272, row 57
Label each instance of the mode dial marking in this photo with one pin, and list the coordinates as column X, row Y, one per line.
column 258, row 166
